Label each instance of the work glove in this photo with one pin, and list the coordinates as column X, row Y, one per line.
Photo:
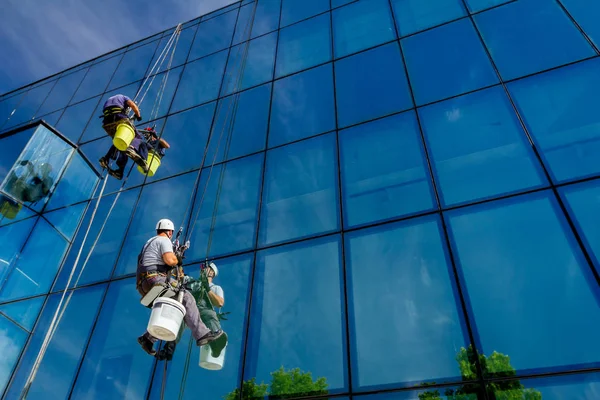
column 179, row 259
column 138, row 119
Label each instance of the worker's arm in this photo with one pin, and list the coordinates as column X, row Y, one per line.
column 170, row 259
column 134, row 107
column 216, row 300
column 164, row 143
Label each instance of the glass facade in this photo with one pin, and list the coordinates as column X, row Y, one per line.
column 422, row 176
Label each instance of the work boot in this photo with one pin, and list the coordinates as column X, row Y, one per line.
column 117, row 174
column 103, row 163
column 217, row 346
column 147, row 345
column 166, row 353
column 209, row 337
column 134, row 155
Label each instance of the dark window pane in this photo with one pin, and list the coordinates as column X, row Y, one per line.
column 235, row 212
column 447, row 61
column 96, row 79
column 187, row 133
column 66, row 220
column 416, row 15
column 383, row 164
column 300, row 197
column 304, row 45
column 57, row 370
column 62, row 92
column 164, row 199
column 528, row 284
column 294, row 11
column 134, row 65
column 586, row 13
column 24, row 312
column 266, row 18
column 12, row 340
column 13, row 238
column 579, row 386
column 362, row 25
column 7, row 107
column 102, row 259
column 528, row 36
column 76, row 184
column 478, row 148
column 115, row 367
column 10, row 148
column 339, row 3
column 257, row 59
column 287, row 302
column 478, row 5
column 468, row 392
column 362, row 78
column 249, row 127
column 37, row 265
column 213, row 35
column 27, row 107
column 234, row 279
column 426, row 325
column 583, row 203
column 200, row 82
column 559, row 109
column 73, row 121
column 303, row 106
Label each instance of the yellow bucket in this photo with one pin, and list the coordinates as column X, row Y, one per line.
column 10, row 209
column 153, row 162
column 123, row 136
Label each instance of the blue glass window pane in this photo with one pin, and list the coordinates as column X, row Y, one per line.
column 583, row 203
column 73, row 121
column 58, row 368
column 478, row 148
column 300, row 197
column 218, row 12
column 184, row 43
column 234, row 277
column 24, row 312
column 66, row 220
column 12, row 340
column 478, row 5
column 361, row 25
column 98, row 148
column 10, row 148
column 528, row 36
column 560, row 112
column 12, row 210
column 200, row 82
column 293, row 11
column 213, row 35
column 62, row 92
column 267, row 17
column 134, row 65
column 77, row 184
column 586, row 13
column 294, row 311
column 158, row 97
column 96, row 79
column 503, row 249
column 438, row 393
column 338, row 3
column 37, row 265
column 416, row 15
column 164, row 199
column 374, row 74
column 420, row 278
column 304, row 45
column 116, row 366
column 236, row 210
column 447, row 61
column 243, row 26
column 7, row 106
column 577, row 386
column 303, row 106
column 13, row 237
column 27, row 107
column 249, row 128
column 102, row 259
column 258, row 59
column 383, row 164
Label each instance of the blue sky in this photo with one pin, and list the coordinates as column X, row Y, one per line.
column 39, row 38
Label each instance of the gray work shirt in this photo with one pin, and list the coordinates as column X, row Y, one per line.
column 154, row 250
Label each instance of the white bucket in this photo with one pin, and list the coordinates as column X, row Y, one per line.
column 209, row 362
column 165, row 320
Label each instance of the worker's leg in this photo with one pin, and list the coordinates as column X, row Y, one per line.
column 192, row 317
column 210, row 318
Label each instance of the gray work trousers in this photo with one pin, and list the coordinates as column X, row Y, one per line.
column 192, row 315
column 210, row 319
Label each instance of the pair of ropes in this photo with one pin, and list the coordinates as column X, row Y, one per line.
column 61, row 308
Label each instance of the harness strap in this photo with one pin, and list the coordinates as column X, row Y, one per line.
column 108, row 111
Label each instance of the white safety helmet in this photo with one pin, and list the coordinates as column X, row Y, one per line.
column 165, row 224
column 213, row 266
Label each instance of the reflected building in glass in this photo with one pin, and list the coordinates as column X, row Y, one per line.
column 402, row 199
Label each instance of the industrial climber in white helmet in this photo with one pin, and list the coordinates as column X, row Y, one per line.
column 156, row 260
